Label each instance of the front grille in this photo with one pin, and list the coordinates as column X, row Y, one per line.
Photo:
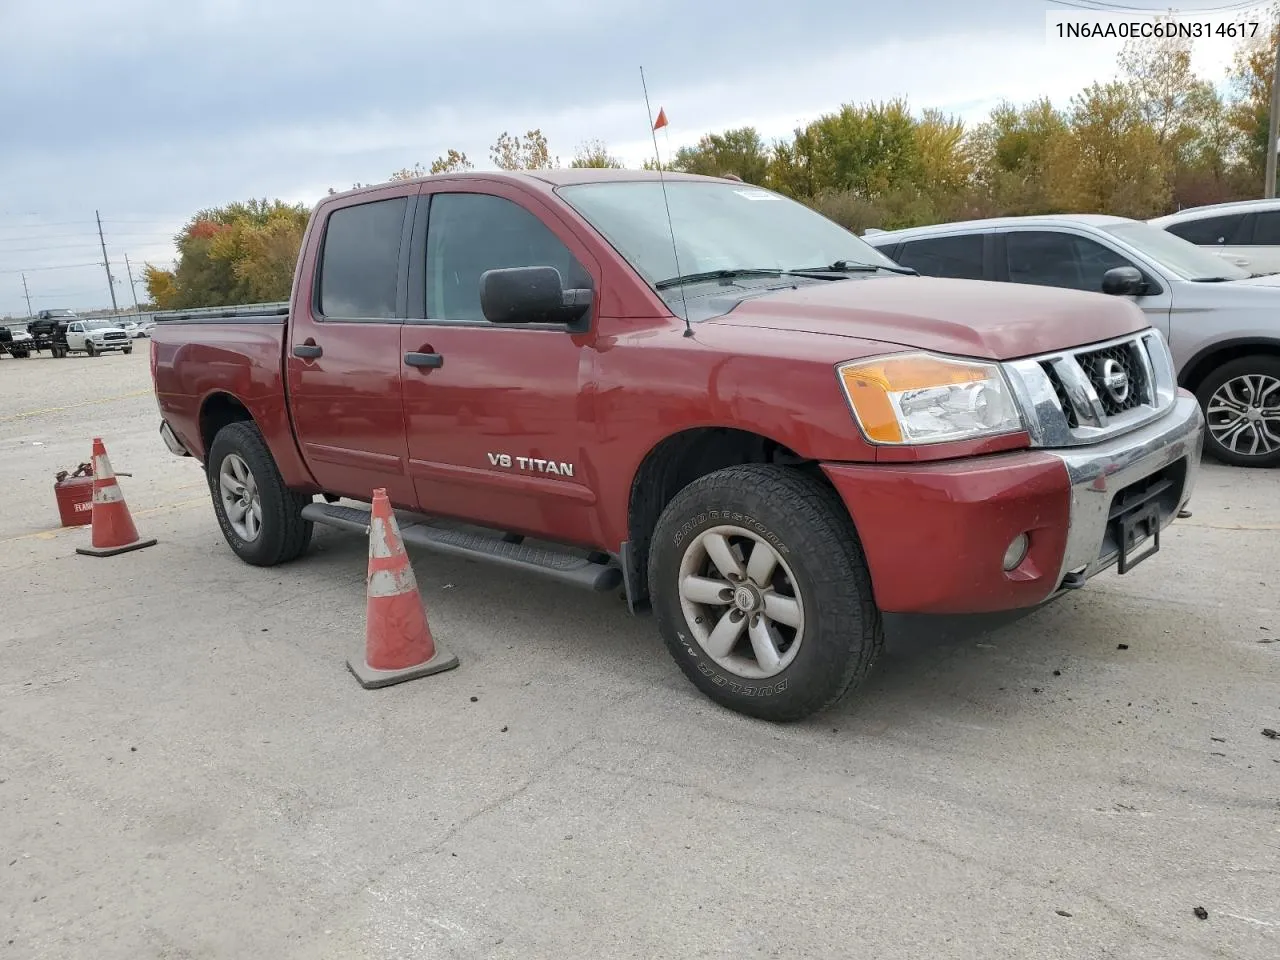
column 1060, row 391
column 1086, row 394
column 1095, row 366
column 113, row 336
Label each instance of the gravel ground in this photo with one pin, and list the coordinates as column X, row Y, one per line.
column 187, row 769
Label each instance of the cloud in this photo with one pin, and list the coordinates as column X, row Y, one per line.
column 149, row 110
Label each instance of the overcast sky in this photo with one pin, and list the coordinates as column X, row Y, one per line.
column 148, row 110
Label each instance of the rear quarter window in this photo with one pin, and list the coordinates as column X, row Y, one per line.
column 1210, row 231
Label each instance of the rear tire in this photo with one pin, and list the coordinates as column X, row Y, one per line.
column 813, row 573
column 280, row 534
column 1241, row 404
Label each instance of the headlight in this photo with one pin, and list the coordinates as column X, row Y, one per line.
column 921, row 398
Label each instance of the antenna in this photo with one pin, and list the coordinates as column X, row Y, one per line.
column 688, row 330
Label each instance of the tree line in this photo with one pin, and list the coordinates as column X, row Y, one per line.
column 1155, row 139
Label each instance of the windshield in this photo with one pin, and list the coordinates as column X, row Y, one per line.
column 718, row 226
column 1175, row 254
column 98, row 324
column 60, row 313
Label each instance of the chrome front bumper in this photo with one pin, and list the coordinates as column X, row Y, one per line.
column 1136, row 465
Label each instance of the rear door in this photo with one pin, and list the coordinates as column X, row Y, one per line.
column 495, row 414
column 343, row 359
column 1228, row 235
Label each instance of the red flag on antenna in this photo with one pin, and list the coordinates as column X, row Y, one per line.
column 662, row 119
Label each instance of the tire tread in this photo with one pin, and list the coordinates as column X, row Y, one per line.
column 845, row 596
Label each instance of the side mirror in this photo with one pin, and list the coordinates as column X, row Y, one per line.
column 1123, row 282
column 531, row 295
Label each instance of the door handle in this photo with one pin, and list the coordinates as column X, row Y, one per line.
column 308, row 351
column 424, row 359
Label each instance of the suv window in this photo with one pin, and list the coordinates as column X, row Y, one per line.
column 958, row 257
column 360, row 261
column 469, row 233
column 1051, row 259
column 1209, row 231
column 1266, row 228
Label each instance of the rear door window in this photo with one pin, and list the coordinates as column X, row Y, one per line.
column 958, row 257
column 360, row 262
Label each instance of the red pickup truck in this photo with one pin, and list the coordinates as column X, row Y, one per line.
column 758, row 427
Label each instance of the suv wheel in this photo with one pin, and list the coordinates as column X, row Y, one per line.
column 1241, row 403
column 762, row 593
column 260, row 517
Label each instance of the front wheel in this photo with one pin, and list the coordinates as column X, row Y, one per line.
column 127, row 350
column 90, row 349
column 1241, row 403
column 762, row 593
column 260, row 517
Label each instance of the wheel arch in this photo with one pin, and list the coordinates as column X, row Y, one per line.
column 672, row 464
column 217, row 411
column 1202, row 364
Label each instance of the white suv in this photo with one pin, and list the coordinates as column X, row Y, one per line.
column 1247, row 232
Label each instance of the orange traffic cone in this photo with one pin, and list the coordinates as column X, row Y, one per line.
column 398, row 642
column 113, row 529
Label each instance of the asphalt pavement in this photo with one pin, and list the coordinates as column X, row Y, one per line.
column 188, row 770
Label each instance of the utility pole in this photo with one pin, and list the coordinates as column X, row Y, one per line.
column 111, row 284
column 26, row 293
column 132, row 289
column 1269, row 188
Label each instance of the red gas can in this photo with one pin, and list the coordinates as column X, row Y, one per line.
column 75, row 496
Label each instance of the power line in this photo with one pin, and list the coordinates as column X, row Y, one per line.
column 61, row 266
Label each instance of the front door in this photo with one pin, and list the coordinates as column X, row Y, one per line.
column 343, row 358
column 494, row 414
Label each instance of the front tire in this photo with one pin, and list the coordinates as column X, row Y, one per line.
column 127, row 350
column 1241, row 404
column 260, row 517
column 762, row 592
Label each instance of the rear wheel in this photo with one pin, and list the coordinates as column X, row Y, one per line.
column 260, row 517
column 762, row 592
column 1241, row 403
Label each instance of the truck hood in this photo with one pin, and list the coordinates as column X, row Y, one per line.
column 973, row 318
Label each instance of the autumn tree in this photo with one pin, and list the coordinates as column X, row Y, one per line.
column 529, row 152
column 741, row 152
column 594, row 153
column 452, row 162
column 1011, row 153
column 1250, row 80
column 1113, row 160
column 405, row 173
column 241, row 253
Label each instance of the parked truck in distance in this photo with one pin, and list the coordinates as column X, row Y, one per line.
column 738, row 412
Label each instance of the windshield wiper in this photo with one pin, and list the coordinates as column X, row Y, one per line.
column 718, row 275
column 857, row 266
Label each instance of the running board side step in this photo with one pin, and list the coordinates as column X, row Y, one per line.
column 557, row 564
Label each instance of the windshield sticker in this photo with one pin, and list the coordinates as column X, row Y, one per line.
column 755, row 194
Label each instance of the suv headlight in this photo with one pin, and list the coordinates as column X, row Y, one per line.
column 911, row 398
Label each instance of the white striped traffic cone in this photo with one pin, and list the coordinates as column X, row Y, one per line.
column 113, row 529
